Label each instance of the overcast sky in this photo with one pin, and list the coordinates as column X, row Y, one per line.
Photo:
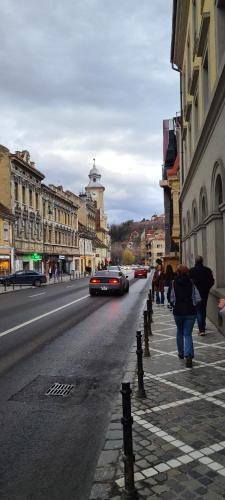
column 90, row 78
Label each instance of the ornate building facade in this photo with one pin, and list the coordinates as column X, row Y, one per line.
column 171, row 185
column 198, row 53
column 60, row 230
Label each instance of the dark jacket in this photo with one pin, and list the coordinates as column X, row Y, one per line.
column 203, row 279
column 183, row 290
column 158, row 281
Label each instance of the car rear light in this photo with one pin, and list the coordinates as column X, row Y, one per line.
column 95, row 280
column 114, row 281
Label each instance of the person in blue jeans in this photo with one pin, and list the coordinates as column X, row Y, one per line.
column 183, row 297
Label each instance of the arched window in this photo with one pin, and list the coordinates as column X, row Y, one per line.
column 203, row 204
column 218, row 192
column 217, row 188
column 194, row 214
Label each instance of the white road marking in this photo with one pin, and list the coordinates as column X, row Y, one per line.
column 17, row 327
column 69, row 286
column 36, row 294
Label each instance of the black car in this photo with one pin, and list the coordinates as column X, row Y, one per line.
column 24, row 278
column 108, row 282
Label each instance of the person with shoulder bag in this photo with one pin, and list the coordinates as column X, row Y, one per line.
column 183, row 297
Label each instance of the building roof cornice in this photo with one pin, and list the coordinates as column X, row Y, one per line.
column 179, row 31
column 26, row 165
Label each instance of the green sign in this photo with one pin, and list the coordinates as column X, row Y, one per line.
column 36, row 257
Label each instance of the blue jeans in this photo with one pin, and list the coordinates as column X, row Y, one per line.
column 201, row 314
column 185, row 326
column 158, row 299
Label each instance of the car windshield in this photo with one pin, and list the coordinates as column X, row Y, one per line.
column 106, row 273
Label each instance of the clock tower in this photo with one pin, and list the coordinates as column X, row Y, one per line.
column 95, row 188
column 96, row 191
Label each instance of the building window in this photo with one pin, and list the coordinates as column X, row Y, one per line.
column 24, row 195
column 184, row 87
column 6, row 230
column 56, row 237
column 50, row 236
column 16, row 193
column 37, row 201
column 193, row 22
column 220, row 33
column 218, row 192
column 196, row 118
column 188, row 62
column 30, row 198
column 205, row 82
column 190, row 141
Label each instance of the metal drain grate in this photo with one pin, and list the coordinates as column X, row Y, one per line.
column 59, row 390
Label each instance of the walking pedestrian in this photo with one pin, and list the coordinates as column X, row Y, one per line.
column 169, row 277
column 202, row 277
column 183, row 298
column 50, row 272
column 158, row 282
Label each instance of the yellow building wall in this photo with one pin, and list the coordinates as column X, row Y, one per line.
column 209, row 7
column 5, row 177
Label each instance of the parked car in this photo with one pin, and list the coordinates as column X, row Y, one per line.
column 24, row 278
column 108, row 282
column 140, row 272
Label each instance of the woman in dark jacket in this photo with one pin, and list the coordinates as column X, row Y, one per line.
column 169, row 277
column 158, row 282
column 183, row 298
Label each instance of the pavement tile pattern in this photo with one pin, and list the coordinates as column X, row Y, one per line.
column 179, row 429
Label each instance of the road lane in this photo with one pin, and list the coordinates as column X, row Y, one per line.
column 49, row 447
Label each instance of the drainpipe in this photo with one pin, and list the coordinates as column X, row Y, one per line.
column 181, row 154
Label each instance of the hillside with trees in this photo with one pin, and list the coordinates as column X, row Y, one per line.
column 126, row 238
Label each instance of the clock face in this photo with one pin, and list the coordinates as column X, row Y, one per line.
column 94, row 194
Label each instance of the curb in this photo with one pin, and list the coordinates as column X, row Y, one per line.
column 110, row 463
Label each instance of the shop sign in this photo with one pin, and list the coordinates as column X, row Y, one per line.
column 61, row 257
column 4, row 257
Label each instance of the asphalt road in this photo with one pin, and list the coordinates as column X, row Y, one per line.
column 50, row 444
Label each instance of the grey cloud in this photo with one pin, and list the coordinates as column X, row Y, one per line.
column 87, row 76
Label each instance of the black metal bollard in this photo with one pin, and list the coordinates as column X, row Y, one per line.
column 5, row 286
column 130, row 492
column 150, row 320
column 150, row 301
column 146, row 334
column 141, row 390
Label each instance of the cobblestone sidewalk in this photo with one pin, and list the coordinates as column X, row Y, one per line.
column 178, row 431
